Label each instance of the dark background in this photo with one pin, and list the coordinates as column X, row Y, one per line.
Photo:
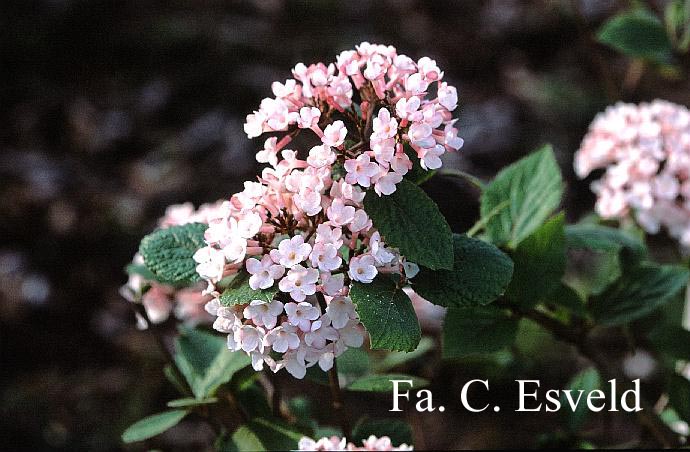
column 109, row 111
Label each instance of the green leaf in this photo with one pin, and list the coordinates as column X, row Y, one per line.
column 533, row 186
column 410, row 221
column 205, row 361
column 263, row 434
column 395, row 359
column 637, row 34
column 539, row 264
column 239, row 292
column 588, row 380
column 190, row 402
column 601, row 238
column 672, row 340
column 396, row 429
column 480, row 274
column 168, row 252
column 468, row 331
column 638, row 292
column 565, row 297
column 354, row 362
column 679, row 396
column 382, row 383
column 141, row 270
column 387, row 314
column 173, row 377
column 153, row 425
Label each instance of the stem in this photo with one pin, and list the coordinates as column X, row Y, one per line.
column 452, row 172
column 334, row 384
column 580, row 339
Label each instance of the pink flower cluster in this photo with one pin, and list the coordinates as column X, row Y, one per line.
column 161, row 300
column 301, row 227
column 334, row 443
column 394, row 109
column 645, row 151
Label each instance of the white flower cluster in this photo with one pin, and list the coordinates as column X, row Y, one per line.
column 335, row 443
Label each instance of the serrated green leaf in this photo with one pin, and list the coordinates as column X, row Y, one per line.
column 468, row 331
column 382, row 383
column 205, row 361
column 480, row 274
column 410, row 221
column 587, row 381
column 637, row 34
column 153, row 425
column 168, row 252
column 638, row 292
column 533, row 186
column 239, row 292
column 539, row 262
column 397, row 430
column 190, row 402
column 387, row 314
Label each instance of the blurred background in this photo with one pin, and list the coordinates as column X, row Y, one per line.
column 112, row 110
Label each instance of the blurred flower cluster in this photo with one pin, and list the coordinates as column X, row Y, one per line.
column 645, row 151
column 334, row 443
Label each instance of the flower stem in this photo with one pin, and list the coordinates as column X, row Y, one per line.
column 334, row 384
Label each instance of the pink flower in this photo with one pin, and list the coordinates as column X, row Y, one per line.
column 360, row 170
column 263, row 272
column 299, row 282
column 325, row 257
column 328, row 235
column 430, row 157
column 385, row 184
column 362, row 268
column 301, row 314
column 420, row 135
column 451, row 138
column 291, row 252
column 309, row 201
column 269, row 154
column 320, row 332
column 210, row 263
column 448, row 96
column 360, row 221
column 308, row 117
column 406, row 108
column 384, row 126
column 339, row 214
column 263, row 313
column 334, row 134
column 320, row 156
column 340, row 310
column 282, row 338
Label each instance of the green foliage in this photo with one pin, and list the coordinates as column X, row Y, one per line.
column 239, row 292
column 565, row 297
column 672, row 340
column 191, row 402
column 587, row 380
column 153, row 425
column 533, row 187
column 205, row 361
column 382, row 383
column 168, row 252
column 387, row 314
column 638, row 292
column 539, row 264
column 395, row 359
column 396, row 429
column 604, row 239
column 410, row 221
column 479, row 275
column 679, row 396
column 468, row 331
column 637, row 34
column 261, row 434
